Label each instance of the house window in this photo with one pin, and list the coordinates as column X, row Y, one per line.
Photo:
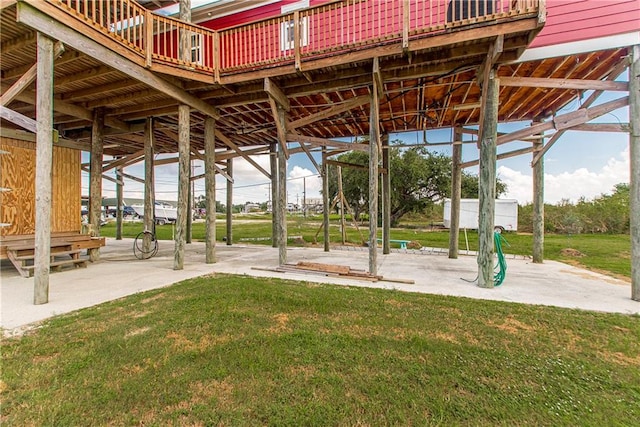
column 287, row 29
column 197, row 46
column 287, row 34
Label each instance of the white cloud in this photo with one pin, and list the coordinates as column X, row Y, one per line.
column 568, row 185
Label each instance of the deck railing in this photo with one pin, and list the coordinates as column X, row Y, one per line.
column 314, row 32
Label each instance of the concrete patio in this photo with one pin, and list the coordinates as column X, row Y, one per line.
column 119, row 274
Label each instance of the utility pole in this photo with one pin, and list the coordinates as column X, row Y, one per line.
column 304, row 196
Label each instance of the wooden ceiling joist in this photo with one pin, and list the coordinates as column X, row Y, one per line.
column 565, row 83
column 30, row 16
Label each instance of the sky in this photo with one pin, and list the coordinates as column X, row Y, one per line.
column 580, row 164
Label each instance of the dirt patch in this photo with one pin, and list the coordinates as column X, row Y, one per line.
column 512, row 326
column 446, row 337
column 306, row 371
column 3, row 386
column 44, row 358
column 281, row 320
column 153, row 298
column 620, row 358
column 222, row 391
column 397, row 303
column 570, row 252
column 138, row 331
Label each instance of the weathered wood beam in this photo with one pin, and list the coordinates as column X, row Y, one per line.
column 487, row 181
column 323, row 142
column 325, row 199
column 565, row 83
column 346, row 164
column 229, row 216
column 602, row 127
column 274, row 92
column 537, row 171
column 348, row 105
column 210, row 189
column 374, row 149
column 31, row 137
column 125, row 161
column 18, row 119
column 132, row 177
column 310, row 156
column 119, row 203
column 282, row 206
column 617, row 70
column 565, row 121
column 149, row 185
column 231, row 144
column 634, row 154
column 104, row 176
column 95, row 177
column 44, row 165
column 456, row 190
column 32, row 17
column 386, row 197
column 184, row 172
column 27, row 78
column 377, row 76
column 500, row 156
column 280, row 121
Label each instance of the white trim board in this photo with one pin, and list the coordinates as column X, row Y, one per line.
column 582, row 46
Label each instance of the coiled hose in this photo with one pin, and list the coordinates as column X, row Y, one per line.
column 501, row 267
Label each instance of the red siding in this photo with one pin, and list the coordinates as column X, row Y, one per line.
column 575, row 20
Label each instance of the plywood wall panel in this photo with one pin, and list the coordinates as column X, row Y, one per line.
column 17, row 172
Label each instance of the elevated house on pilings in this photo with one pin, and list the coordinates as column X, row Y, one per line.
column 282, row 78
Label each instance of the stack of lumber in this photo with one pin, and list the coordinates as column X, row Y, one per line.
column 332, row 270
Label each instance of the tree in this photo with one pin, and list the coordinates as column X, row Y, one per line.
column 419, row 178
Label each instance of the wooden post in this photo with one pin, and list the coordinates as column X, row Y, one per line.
column 386, row 196
column 95, row 178
column 273, row 163
column 374, row 143
column 343, row 222
column 210, row 188
column 185, row 36
column 634, row 152
column 149, row 195
column 282, row 205
column 538, row 204
column 325, row 199
column 456, row 189
column 44, row 165
column 184, row 155
column 189, row 205
column 119, row 203
column 487, row 181
column 229, row 203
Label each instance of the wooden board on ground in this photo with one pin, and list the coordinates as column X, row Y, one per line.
column 330, row 270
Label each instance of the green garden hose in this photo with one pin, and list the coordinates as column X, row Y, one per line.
column 501, row 267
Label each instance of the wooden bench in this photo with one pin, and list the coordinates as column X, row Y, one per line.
column 20, row 250
column 402, row 243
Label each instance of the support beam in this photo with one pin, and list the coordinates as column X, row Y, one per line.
column 44, row 165
column 33, row 18
column 273, row 163
column 634, row 149
column 229, row 203
column 386, row 197
column 325, row 199
column 374, row 148
column 95, row 178
column 27, row 78
column 210, row 188
column 184, row 124
column 538, row 205
column 323, row 142
column 347, row 105
column 500, row 156
column 232, row 145
column 456, row 190
column 119, row 203
column 282, row 206
column 564, row 83
column 487, row 181
column 279, row 106
column 149, row 187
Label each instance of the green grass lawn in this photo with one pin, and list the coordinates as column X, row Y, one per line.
column 603, row 252
column 230, row 350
